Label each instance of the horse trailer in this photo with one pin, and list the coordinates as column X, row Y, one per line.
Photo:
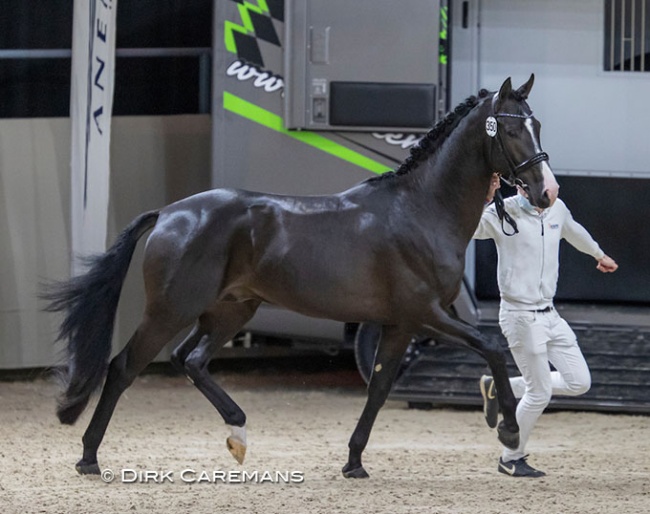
column 302, row 104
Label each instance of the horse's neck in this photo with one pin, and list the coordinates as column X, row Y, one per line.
column 456, row 178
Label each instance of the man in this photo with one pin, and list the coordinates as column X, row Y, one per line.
column 527, row 269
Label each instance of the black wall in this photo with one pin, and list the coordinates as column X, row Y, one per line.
column 39, row 87
column 615, row 211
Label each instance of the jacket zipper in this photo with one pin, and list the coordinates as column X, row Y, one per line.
column 541, row 278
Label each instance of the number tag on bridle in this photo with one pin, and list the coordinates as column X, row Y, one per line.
column 491, row 126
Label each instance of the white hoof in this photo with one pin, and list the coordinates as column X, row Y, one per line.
column 236, row 443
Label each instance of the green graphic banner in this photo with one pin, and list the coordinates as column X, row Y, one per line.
column 273, row 121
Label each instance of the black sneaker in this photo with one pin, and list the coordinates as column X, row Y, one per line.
column 519, row 468
column 490, row 402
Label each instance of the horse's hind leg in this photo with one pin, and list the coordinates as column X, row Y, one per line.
column 392, row 345
column 220, row 324
column 181, row 352
column 144, row 345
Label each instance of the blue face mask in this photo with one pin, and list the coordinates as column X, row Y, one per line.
column 525, row 204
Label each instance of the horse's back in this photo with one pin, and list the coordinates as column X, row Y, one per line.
column 333, row 256
column 298, row 252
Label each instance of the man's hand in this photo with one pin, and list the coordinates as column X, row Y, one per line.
column 607, row 265
column 495, row 183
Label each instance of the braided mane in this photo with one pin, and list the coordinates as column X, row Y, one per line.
column 433, row 139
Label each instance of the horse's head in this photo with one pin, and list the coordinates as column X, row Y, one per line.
column 515, row 147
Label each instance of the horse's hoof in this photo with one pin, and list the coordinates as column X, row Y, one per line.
column 237, row 448
column 355, row 473
column 87, row 468
column 507, row 438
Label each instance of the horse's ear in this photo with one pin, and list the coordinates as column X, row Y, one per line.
column 506, row 89
column 524, row 90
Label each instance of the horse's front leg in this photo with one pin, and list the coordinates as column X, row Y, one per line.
column 392, row 345
column 452, row 329
column 508, row 429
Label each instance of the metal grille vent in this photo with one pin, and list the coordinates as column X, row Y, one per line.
column 627, row 38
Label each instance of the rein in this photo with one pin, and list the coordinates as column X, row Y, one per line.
column 503, row 214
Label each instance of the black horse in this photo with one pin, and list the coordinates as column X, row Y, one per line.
column 389, row 251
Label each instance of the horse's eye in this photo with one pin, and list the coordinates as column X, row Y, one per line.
column 511, row 133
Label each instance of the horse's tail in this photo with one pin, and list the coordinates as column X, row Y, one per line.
column 90, row 302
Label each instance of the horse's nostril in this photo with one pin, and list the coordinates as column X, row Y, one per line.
column 546, row 199
column 551, row 195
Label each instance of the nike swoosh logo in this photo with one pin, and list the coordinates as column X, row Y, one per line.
column 510, row 471
column 490, row 392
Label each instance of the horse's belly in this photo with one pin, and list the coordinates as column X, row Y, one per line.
column 339, row 295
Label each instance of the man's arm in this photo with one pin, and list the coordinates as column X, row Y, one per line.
column 485, row 229
column 495, row 183
column 607, row 264
column 581, row 240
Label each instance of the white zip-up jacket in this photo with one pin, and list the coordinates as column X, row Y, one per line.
column 528, row 263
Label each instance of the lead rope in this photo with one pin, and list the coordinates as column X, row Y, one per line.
column 503, row 214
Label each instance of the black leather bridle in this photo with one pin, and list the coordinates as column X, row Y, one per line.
column 513, row 168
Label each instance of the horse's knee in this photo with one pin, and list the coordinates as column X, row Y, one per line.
column 380, row 384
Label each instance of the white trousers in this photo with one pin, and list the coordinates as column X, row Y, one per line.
column 535, row 339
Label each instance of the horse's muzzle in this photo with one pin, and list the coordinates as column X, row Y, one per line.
column 551, row 187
